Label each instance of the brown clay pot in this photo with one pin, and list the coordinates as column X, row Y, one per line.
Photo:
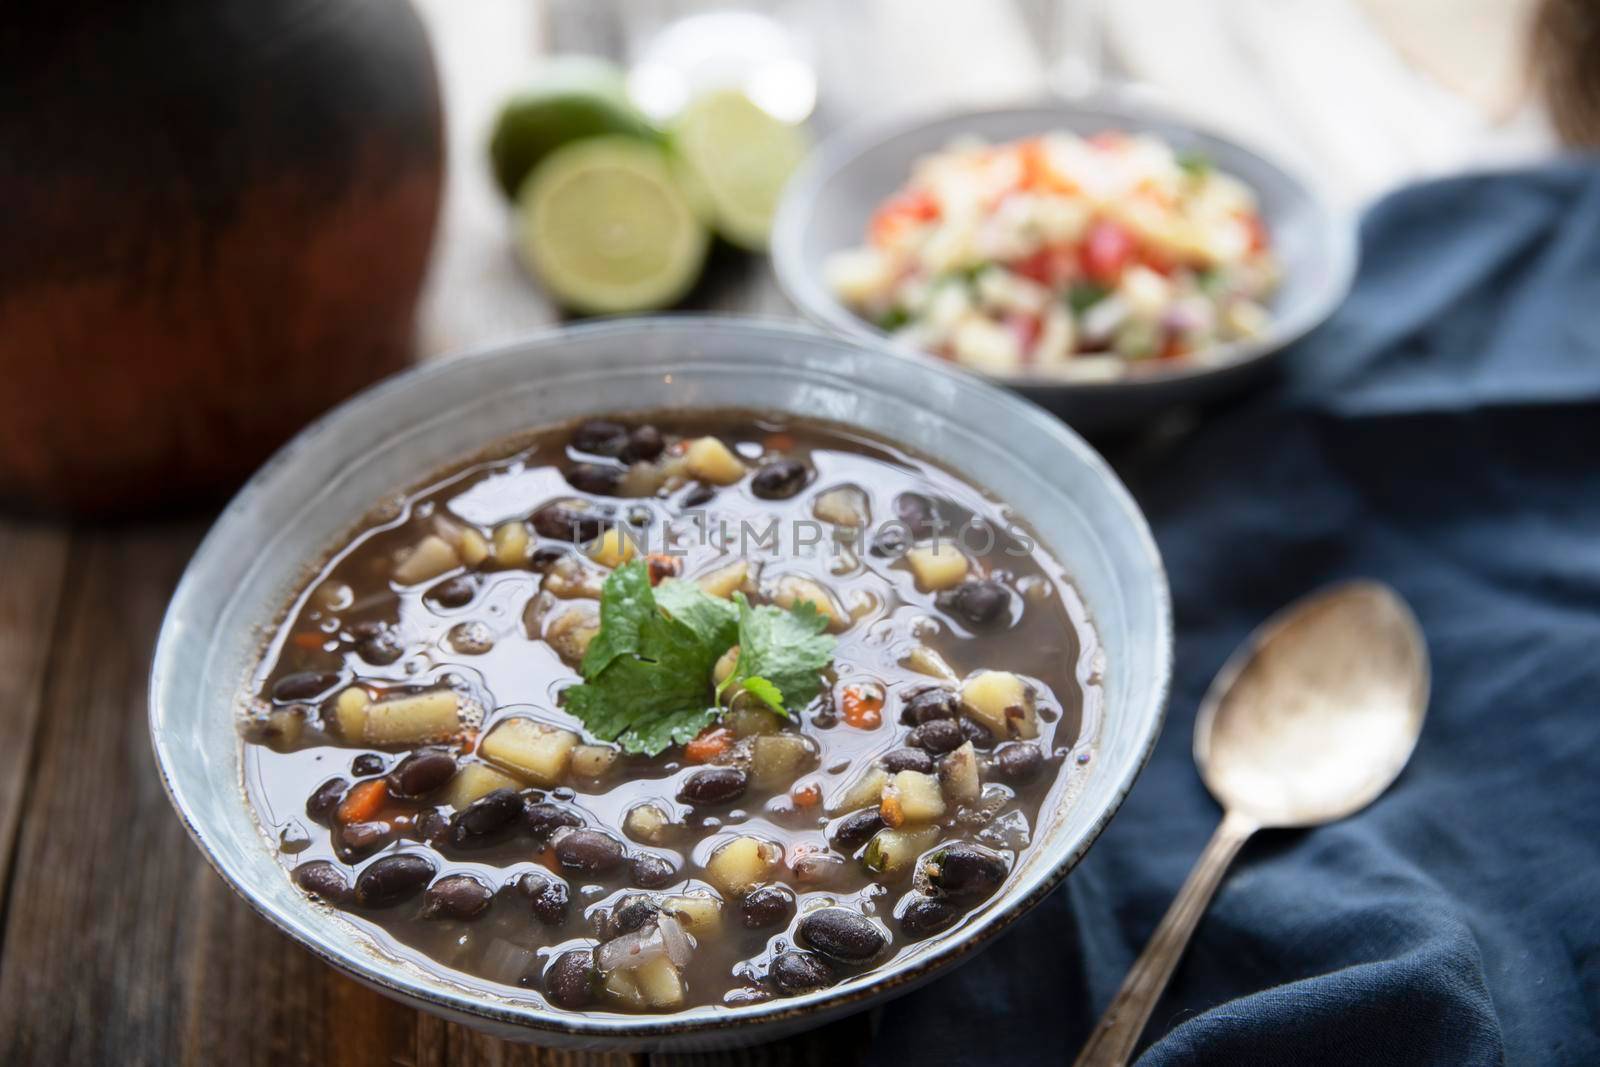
column 217, row 215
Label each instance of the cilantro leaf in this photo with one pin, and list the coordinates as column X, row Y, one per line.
column 781, row 650
column 716, row 621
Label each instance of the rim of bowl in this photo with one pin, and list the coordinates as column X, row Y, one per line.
column 635, row 1031
column 807, row 292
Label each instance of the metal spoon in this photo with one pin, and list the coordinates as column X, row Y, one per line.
column 1311, row 719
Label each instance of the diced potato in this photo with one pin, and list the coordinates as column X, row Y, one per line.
column 593, row 761
column 724, row 666
column 474, row 548
column 622, row 986
column 649, row 823
column 570, row 578
column 700, row 913
column 476, row 780
column 792, row 590
column 570, row 632
column 749, row 721
column 911, row 797
column 409, row 720
column 1002, row 702
column 613, row 548
column 659, row 983
column 925, row 660
column 843, row 506
column 742, row 864
column 725, row 581
column 958, row 774
column 511, row 543
column 937, row 566
column 279, row 729
column 709, row 460
column 432, row 556
column 350, row 713
column 533, row 751
column 865, row 792
column 776, row 760
column 894, row 852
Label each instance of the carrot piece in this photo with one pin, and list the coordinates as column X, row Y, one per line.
column 710, row 743
column 862, row 709
column 806, row 796
column 363, row 802
column 778, row 442
column 310, row 640
column 663, row 566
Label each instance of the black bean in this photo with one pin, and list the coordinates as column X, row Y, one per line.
column 458, row 896
column 714, row 785
column 925, row 916
column 799, row 972
column 544, row 818
column 569, row 520
column 856, row 829
column 842, row 934
column 572, row 981
column 965, row 870
column 486, row 818
column 918, row 513
column 381, row 649
column 433, row 826
column 630, row 914
column 590, row 851
column 891, row 540
column 926, row 705
column 423, row 771
column 454, row 592
column 599, row 479
column 367, row 764
column 937, row 737
column 977, row 603
column 392, row 879
column 547, row 895
column 303, row 685
column 325, row 798
column 652, row 872
column 644, row 444
column 546, row 556
column 600, row 437
column 1018, row 762
column 698, row 496
column 767, row 906
column 322, row 879
column 978, row 735
column 818, row 868
column 907, row 759
column 363, row 838
column 360, row 631
column 780, row 479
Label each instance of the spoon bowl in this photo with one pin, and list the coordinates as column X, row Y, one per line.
column 1318, row 711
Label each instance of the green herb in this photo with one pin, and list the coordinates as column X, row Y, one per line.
column 1194, row 164
column 647, row 673
column 1084, row 295
column 893, row 319
column 781, row 653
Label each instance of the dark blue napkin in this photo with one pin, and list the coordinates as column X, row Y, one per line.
column 1441, row 433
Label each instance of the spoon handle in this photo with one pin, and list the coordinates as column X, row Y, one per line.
column 1119, row 1028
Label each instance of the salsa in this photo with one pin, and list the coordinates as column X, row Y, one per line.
column 638, row 715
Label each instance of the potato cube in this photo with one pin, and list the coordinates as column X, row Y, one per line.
column 570, row 632
column 925, row 660
column 432, row 556
column 593, row 761
column 476, row 780
column 511, row 543
column 937, row 566
column 958, row 774
column 893, row 853
column 750, row 722
column 659, row 983
column 724, row 667
column 793, row 590
column 350, row 713
column 709, row 460
column 622, row 986
column 613, row 548
column 649, row 823
column 742, row 864
column 776, row 760
column 725, row 581
column 843, row 506
column 430, row 716
column 865, row 792
column 1002, row 702
column 911, row 797
column 533, row 751
column 700, row 913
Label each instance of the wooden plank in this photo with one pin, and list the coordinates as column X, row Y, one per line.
column 35, row 561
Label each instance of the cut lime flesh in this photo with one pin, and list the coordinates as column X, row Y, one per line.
column 738, row 158
column 603, row 224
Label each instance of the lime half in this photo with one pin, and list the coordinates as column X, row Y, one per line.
column 572, row 97
column 737, row 158
column 603, row 224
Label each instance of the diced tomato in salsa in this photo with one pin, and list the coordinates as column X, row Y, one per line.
column 1107, row 249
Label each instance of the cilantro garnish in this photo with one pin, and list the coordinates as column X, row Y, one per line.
column 647, row 673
